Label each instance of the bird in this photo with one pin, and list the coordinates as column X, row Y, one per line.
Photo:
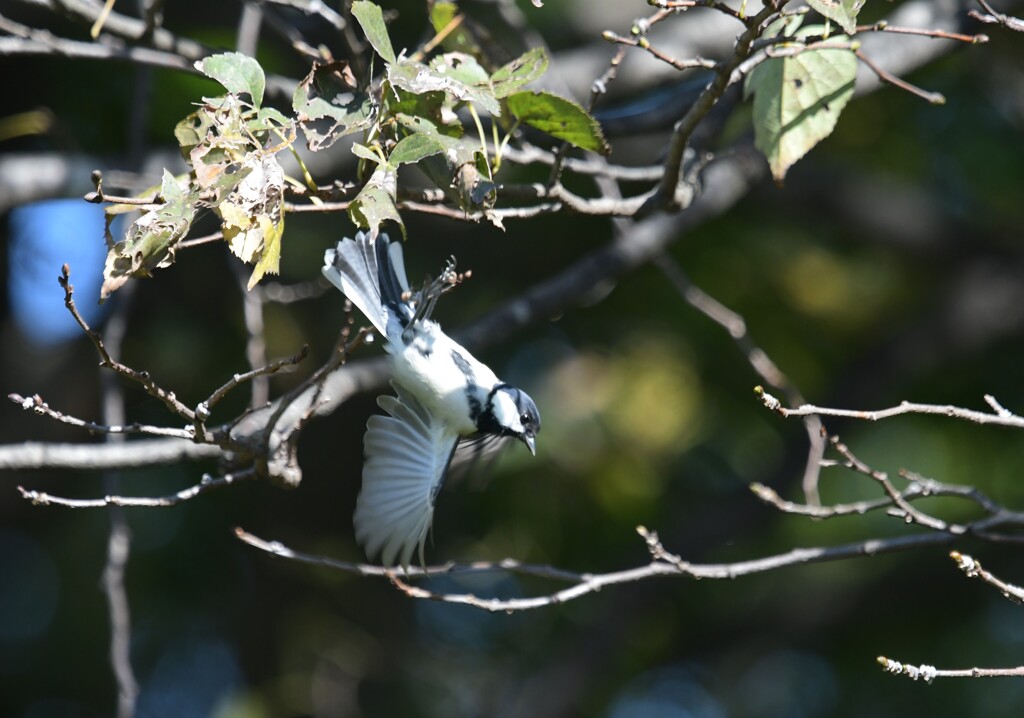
column 447, row 404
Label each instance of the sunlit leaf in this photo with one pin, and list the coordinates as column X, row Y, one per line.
column 417, row 78
column 461, row 67
column 270, row 258
column 375, row 203
column 559, row 118
column 252, row 215
column 329, row 106
column 841, row 12
column 520, row 72
column 797, row 101
column 237, row 72
column 371, row 20
column 361, row 150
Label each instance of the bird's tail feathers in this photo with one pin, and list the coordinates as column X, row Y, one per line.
column 371, row 273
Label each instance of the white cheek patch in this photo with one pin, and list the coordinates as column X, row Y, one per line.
column 506, row 412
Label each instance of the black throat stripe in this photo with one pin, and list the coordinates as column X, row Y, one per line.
column 475, row 409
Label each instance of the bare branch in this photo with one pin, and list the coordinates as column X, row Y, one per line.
column 663, row 564
column 36, row 404
column 206, row 484
column 928, row 673
column 99, row 457
column 141, row 377
column 973, row 569
column 999, row 418
column 206, row 407
column 935, row 98
column 997, row 18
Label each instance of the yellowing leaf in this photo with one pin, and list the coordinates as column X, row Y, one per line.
column 270, row 259
column 252, row 215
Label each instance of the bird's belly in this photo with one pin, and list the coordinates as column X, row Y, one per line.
column 440, row 385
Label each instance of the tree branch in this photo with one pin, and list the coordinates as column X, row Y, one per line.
column 663, row 564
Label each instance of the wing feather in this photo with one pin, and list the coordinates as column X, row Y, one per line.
column 407, row 456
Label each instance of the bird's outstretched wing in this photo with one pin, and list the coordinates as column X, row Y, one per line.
column 407, row 456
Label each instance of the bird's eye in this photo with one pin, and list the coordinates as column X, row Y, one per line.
column 524, row 419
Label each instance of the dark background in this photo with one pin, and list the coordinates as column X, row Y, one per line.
column 887, row 268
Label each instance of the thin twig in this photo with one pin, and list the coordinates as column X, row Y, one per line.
column 644, row 44
column 206, row 407
column 206, row 484
column 36, row 404
column 928, row 673
column 973, row 569
column 883, row 26
column 586, row 583
column 141, row 377
column 997, row 18
column 935, row 98
column 906, row 407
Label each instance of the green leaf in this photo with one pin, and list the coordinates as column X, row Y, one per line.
column 520, row 72
column 560, row 118
column 797, row 101
column 329, row 106
column 841, row 12
column 360, row 150
column 237, row 72
column 430, row 106
column 371, row 20
column 414, row 148
column 461, row 67
column 375, row 203
column 150, row 241
column 417, row 78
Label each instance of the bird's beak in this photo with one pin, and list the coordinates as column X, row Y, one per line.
column 531, row 443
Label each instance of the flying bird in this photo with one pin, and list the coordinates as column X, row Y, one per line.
column 447, row 402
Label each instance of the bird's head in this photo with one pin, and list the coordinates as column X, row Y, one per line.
column 511, row 412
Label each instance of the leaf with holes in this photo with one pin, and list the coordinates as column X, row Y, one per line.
column 447, row 77
column 329, row 106
column 150, row 241
column 519, row 73
column 797, row 102
column 252, row 215
column 559, row 118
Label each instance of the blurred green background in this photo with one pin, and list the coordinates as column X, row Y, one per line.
column 887, row 268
